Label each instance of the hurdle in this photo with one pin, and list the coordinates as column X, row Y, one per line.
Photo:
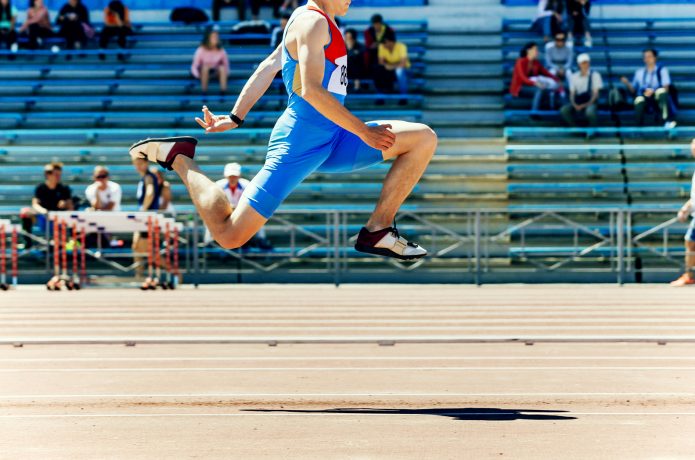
column 161, row 253
column 61, row 273
column 11, row 230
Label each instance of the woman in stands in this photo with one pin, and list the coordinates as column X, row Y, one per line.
column 38, row 24
column 8, row 19
column 116, row 24
column 530, row 73
column 73, row 20
column 210, row 59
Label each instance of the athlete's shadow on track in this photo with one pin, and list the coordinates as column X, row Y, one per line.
column 469, row 413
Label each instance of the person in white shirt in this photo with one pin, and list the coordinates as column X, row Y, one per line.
column 651, row 87
column 233, row 185
column 585, row 86
column 103, row 194
column 685, row 213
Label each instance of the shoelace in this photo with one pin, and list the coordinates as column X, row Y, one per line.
column 397, row 234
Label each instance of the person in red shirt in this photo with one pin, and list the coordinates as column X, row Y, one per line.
column 530, row 73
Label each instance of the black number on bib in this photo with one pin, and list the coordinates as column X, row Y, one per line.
column 343, row 75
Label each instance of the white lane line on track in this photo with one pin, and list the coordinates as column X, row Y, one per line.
column 331, row 369
column 491, row 415
column 352, row 358
column 218, row 322
column 512, row 327
column 347, row 395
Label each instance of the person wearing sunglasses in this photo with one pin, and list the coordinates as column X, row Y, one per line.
column 103, row 194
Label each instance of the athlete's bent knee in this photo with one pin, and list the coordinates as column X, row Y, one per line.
column 230, row 241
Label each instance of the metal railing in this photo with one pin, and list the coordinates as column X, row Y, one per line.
column 467, row 246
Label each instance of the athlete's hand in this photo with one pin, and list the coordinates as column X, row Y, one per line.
column 379, row 137
column 212, row 123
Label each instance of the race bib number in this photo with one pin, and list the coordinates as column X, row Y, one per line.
column 339, row 79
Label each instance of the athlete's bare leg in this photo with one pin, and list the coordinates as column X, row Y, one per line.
column 231, row 228
column 415, row 145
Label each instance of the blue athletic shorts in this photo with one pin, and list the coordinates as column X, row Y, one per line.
column 297, row 148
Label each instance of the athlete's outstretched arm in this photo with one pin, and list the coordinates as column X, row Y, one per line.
column 253, row 90
column 312, row 35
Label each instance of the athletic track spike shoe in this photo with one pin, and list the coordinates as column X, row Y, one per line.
column 685, row 280
column 388, row 243
column 164, row 150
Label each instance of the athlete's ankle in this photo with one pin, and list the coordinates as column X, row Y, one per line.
column 182, row 163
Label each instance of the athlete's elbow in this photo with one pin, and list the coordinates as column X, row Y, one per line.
column 309, row 93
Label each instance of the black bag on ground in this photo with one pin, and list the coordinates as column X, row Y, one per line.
column 189, row 15
column 251, row 28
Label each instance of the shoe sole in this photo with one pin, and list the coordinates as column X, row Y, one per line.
column 385, row 253
column 190, row 139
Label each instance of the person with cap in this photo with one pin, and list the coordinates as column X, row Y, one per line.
column 103, row 194
column 233, row 186
column 585, row 86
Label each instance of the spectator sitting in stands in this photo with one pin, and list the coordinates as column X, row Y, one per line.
column 356, row 59
column 233, row 186
column 393, row 66
column 549, row 20
column 530, row 73
column 559, row 56
column 578, row 20
column 276, row 37
column 73, row 20
column 650, row 86
column 116, row 24
column 585, row 86
column 51, row 195
column 210, row 58
column 37, row 25
column 166, row 197
column 8, row 20
column 103, row 194
column 685, row 213
column 373, row 37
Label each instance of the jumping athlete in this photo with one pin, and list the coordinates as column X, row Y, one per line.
column 315, row 133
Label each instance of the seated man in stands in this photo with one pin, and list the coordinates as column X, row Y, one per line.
column 393, row 66
column 233, row 186
column 559, row 57
column 73, row 19
column 585, row 86
column 103, row 194
column 211, row 59
column 685, row 213
column 8, row 20
column 373, row 37
column 529, row 74
column 50, row 195
column 651, row 85
column 357, row 59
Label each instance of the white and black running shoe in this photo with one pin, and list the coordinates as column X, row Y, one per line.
column 164, row 150
column 388, row 243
